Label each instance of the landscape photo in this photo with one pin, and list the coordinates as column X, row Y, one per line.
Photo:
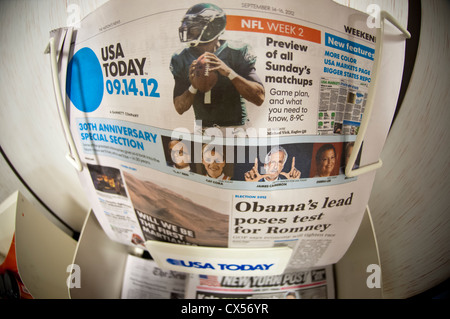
column 170, row 216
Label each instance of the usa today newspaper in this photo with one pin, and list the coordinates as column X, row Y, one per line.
column 256, row 161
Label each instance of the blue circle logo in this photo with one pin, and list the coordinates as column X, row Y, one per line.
column 85, row 81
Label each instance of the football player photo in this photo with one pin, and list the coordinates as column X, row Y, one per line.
column 216, row 77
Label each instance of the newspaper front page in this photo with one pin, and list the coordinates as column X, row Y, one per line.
column 252, row 156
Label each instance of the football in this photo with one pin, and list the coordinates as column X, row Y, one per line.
column 203, row 79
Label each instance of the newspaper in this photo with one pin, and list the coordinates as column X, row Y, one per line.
column 314, row 283
column 256, row 161
column 143, row 279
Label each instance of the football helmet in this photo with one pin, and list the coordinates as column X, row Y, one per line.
column 202, row 23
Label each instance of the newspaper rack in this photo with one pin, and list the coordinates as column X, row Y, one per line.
column 103, row 263
column 72, row 156
column 196, row 259
column 349, row 171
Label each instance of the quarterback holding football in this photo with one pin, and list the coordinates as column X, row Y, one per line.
column 213, row 76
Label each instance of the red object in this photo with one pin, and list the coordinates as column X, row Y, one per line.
column 11, row 285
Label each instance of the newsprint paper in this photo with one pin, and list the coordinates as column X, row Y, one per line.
column 226, row 124
column 143, row 279
column 315, row 283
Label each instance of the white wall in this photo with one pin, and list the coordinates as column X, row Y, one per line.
column 30, row 131
column 410, row 200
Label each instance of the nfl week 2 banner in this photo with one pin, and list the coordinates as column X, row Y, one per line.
column 248, row 152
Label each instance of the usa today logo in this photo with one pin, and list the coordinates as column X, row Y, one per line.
column 213, row 266
column 85, row 85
